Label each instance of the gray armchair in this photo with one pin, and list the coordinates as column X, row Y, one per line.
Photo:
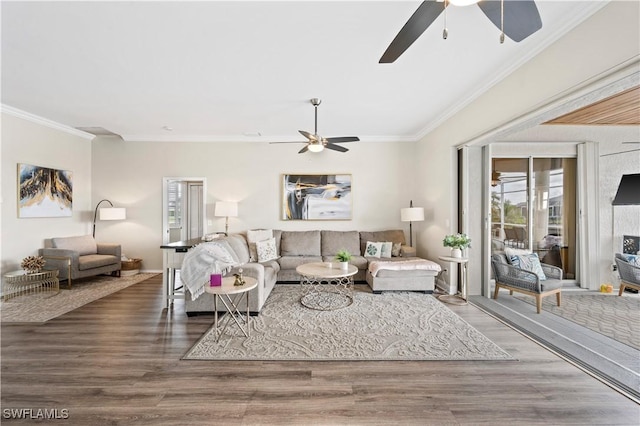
column 629, row 274
column 513, row 279
column 79, row 257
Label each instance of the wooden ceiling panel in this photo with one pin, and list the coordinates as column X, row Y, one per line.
column 620, row 109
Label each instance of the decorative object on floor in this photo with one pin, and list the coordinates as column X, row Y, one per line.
column 130, row 266
column 343, row 256
column 226, row 209
column 37, row 309
column 317, row 143
column 411, row 214
column 522, row 20
column 36, row 194
column 457, row 242
column 316, row 197
column 390, row 326
column 109, row 213
column 32, row 264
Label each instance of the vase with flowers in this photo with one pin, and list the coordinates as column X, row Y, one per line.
column 457, row 242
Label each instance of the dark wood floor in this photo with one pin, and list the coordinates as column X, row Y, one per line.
column 117, row 361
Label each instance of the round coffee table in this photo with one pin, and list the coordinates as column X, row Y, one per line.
column 20, row 282
column 231, row 295
column 325, row 288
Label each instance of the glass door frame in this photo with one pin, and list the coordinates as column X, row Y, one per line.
column 490, row 154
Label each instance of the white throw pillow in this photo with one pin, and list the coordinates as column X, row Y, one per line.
column 253, row 236
column 266, row 250
column 386, row 249
column 511, row 252
column 373, row 249
column 396, row 250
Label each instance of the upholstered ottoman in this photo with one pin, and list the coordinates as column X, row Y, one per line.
column 402, row 274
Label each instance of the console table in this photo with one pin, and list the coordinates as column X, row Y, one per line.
column 172, row 257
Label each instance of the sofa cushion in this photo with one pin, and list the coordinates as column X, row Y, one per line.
column 334, row 241
column 239, row 245
column 84, row 244
column 91, row 261
column 385, row 250
column 292, row 262
column 300, row 243
column 392, row 235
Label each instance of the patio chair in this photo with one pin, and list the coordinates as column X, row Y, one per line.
column 629, row 273
column 512, row 278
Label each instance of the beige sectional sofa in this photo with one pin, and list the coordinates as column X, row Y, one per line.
column 295, row 248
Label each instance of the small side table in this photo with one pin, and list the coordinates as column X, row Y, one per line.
column 19, row 282
column 224, row 293
column 460, row 298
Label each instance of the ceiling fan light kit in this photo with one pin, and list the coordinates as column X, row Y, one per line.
column 317, row 143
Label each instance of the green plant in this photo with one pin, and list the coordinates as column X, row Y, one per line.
column 460, row 241
column 343, row 256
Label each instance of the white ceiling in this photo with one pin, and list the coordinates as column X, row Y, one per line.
column 226, row 71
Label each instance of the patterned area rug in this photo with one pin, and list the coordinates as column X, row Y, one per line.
column 42, row 307
column 389, row 326
column 607, row 314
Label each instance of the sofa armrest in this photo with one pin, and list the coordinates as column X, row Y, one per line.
column 408, row 251
column 112, row 249
column 58, row 254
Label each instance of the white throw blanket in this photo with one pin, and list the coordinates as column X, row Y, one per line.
column 403, row 265
column 202, row 261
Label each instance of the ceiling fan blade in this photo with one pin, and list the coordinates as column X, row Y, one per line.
column 307, row 135
column 303, row 150
column 415, row 26
column 336, row 147
column 521, row 17
column 343, row 139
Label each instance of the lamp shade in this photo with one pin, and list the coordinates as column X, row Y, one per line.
column 412, row 214
column 226, row 209
column 628, row 191
column 113, row 213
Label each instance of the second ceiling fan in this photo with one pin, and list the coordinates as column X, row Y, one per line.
column 317, row 143
column 517, row 19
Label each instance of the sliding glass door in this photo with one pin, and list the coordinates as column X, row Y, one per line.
column 533, row 207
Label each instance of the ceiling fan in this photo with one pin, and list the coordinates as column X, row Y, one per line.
column 517, row 19
column 317, row 143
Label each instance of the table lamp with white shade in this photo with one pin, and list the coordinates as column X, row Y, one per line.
column 226, row 209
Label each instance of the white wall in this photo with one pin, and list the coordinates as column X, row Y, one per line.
column 26, row 142
column 615, row 161
column 590, row 50
column 130, row 175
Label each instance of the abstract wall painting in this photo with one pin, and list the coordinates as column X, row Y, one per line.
column 44, row 192
column 316, row 197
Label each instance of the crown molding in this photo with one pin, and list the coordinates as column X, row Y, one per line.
column 6, row 109
column 242, row 138
column 547, row 41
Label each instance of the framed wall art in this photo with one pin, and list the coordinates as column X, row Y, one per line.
column 316, row 197
column 44, row 192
